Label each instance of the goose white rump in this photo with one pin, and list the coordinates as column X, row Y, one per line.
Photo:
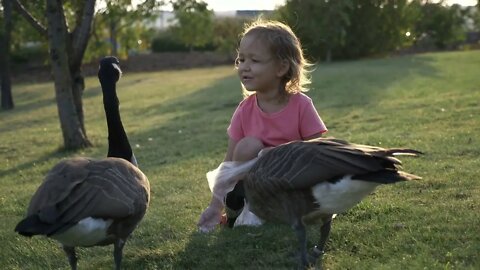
column 87, row 232
column 338, row 197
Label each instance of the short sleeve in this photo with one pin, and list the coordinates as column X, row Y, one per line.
column 235, row 130
column 310, row 122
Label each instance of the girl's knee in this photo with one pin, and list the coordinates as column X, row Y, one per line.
column 247, row 148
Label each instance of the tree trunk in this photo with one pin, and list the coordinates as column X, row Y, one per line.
column 71, row 121
column 66, row 54
column 328, row 56
column 77, row 45
column 6, row 85
column 113, row 38
column 78, row 86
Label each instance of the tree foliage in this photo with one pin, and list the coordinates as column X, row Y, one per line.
column 125, row 22
column 327, row 19
column 226, row 34
column 439, row 25
column 345, row 29
column 378, row 27
column 194, row 22
column 67, row 27
column 477, row 16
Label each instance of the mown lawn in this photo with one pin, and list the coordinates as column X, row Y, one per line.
column 176, row 121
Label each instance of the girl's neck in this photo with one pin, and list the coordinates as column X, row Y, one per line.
column 271, row 102
column 276, row 94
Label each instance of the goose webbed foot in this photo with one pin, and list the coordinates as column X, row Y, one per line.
column 319, row 250
column 317, row 253
column 315, row 258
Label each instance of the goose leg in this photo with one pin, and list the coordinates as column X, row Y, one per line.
column 319, row 249
column 72, row 257
column 302, row 240
column 234, row 203
column 118, row 252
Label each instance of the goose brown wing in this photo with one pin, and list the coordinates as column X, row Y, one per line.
column 78, row 188
column 300, row 165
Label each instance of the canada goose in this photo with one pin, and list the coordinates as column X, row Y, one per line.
column 300, row 183
column 85, row 202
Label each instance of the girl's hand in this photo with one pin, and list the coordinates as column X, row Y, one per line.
column 209, row 219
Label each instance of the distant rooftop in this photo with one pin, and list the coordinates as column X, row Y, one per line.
column 167, row 18
column 252, row 13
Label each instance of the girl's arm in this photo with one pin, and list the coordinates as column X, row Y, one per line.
column 230, row 148
column 314, row 136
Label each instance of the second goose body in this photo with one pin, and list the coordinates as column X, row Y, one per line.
column 85, row 202
column 309, row 181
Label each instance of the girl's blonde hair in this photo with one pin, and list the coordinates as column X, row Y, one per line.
column 284, row 45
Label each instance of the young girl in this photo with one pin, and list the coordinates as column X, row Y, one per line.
column 273, row 74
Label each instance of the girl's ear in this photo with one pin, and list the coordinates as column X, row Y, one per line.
column 283, row 68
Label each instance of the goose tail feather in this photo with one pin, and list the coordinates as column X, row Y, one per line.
column 32, row 225
column 387, row 176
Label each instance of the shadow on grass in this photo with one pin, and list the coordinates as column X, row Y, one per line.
column 194, row 134
column 208, row 111
column 189, row 135
column 35, row 100
column 268, row 247
column 333, row 88
column 57, row 154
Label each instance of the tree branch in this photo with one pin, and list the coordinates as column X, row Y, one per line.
column 29, row 17
column 81, row 34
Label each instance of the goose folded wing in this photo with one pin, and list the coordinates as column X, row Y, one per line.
column 300, row 165
column 99, row 189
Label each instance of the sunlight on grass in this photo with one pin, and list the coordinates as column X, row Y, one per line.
column 177, row 120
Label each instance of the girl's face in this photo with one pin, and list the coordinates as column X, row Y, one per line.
column 257, row 67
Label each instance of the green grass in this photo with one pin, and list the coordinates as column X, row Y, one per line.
column 177, row 122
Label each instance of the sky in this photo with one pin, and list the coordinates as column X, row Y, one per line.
column 226, row 5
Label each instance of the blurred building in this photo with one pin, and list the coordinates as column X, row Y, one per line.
column 166, row 18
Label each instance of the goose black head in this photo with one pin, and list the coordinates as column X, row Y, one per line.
column 109, row 69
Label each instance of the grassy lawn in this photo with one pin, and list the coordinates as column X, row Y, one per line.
column 176, row 122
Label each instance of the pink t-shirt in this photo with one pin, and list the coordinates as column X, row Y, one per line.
column 297, row 121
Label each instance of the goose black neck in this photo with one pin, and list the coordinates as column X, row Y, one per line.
column 118, row 145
